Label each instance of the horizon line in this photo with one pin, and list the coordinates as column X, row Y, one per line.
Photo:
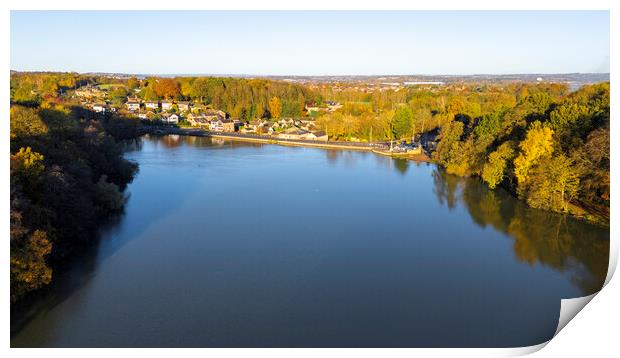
column 313, row 75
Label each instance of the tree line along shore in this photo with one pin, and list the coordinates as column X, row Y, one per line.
column 543, row 143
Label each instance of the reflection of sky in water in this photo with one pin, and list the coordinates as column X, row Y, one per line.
column 240, row 244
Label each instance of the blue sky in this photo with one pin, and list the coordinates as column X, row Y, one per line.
column 311, row 43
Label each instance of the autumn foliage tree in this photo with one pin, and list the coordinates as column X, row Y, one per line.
column 167, row 88
column 275, row 107
column 538, row 144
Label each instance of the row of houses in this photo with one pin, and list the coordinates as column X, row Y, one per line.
column 183, row 106
column 286, row 129
column 280, row 125
column 215, row 121
column 169, row 118
column 283, row 129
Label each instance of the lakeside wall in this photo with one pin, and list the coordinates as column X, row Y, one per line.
column 368, row 147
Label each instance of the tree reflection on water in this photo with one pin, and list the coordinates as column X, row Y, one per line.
column 563, row 243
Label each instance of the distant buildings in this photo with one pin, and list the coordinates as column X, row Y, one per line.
column 197, row 115
column 417, row 83
column 133, row 105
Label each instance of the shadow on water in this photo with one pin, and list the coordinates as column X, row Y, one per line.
column 401, row 165
column 560, row 242
column 79, row 269
column 75, row 273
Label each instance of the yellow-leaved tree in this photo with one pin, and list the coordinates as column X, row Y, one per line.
column 538, row 143
column 275, row 107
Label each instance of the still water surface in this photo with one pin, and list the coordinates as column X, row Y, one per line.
column 228, row 244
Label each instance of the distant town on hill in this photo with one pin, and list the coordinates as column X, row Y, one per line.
column 574, row 80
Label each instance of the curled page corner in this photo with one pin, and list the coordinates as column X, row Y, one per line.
column 571, row 306
column 613, row 260
column 569, row 309
column 523, row 351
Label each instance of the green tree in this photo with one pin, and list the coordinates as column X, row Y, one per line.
column 118, row 96
column 595, row 158
column 422, row 119
column 108, row 196
column 403, row 122
column 487, row 130
column 449, row 137
column 462, row 159
column 148, row 93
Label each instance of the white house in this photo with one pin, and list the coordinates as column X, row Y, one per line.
column 99, row 107
column 133, row 105
column 166, row 105
column 217, row 125
column 317, row 135
column 170, row 118
column 151, row 105
column 293, row 133
column 183, row 106
column 198, row 120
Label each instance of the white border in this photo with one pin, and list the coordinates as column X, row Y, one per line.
column 594, row 331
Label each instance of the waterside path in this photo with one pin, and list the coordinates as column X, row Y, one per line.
column 377, row 148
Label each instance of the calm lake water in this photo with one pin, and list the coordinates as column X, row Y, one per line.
column 229, row 244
